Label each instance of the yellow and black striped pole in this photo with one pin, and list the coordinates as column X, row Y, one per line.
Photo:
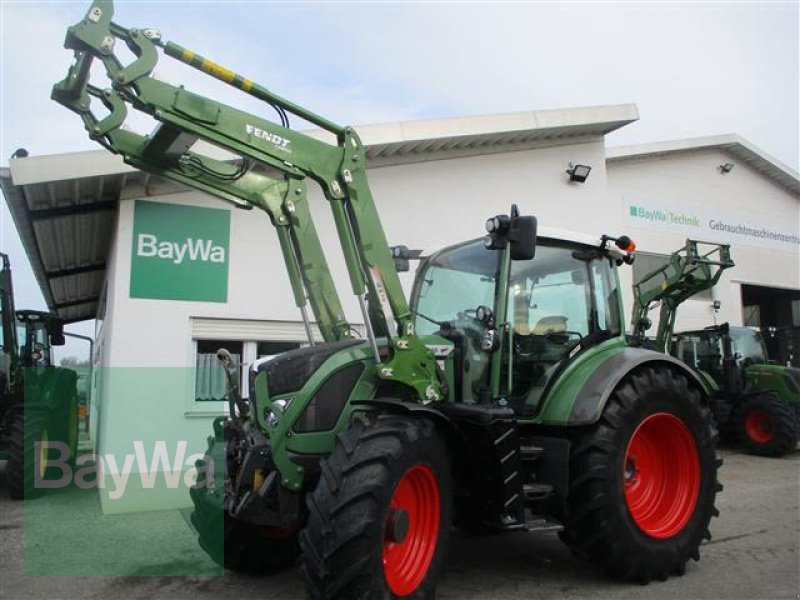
column 246, row 85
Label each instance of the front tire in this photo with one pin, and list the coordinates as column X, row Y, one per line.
column 380, row 516
column 643, row 480
column 766, row 424
column 27, row 453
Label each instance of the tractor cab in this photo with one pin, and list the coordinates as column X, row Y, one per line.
column 564, row 300
column 37, row 333
column 721, row 351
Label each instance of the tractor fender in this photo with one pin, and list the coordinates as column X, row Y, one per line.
column 450, row 429
column 596, row 390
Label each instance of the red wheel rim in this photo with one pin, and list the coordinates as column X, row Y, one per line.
column 759, row 426
column 406, row 562
column 661, row 475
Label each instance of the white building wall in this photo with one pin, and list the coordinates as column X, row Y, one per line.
column 692, row 183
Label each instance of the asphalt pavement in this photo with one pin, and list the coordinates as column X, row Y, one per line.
column 754, row 553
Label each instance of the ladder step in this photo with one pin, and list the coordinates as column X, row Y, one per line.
column 530, row 453
column 537, row 490
column 539, row 524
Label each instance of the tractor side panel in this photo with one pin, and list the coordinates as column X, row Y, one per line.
column 785, row 381
column 580, row 399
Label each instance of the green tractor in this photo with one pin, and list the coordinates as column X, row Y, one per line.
column 753, row 400
column 39, row 402
column 503, row 396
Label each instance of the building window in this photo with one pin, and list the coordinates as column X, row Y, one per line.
column 209, row 385
column 247, row 341
column 210, row 382
column 752, row 315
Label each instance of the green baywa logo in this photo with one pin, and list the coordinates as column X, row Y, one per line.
column 149, row 246
column 669, row 217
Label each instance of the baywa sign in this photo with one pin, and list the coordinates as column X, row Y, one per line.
column 179, row 252
column 724, row 225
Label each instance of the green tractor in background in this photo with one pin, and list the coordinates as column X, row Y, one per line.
column 504, row 396
column 39, row 402
column 753, row 400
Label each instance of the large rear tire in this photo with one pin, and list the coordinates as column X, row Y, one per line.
column 24, row 456
column 380, row 516
column 643, row 480
column 767, row 425
column 235, row 544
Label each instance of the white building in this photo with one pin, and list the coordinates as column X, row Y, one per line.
column 435, row 183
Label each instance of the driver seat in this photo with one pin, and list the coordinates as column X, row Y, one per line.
column 552, row 324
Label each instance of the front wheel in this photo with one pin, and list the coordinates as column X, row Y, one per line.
column 643, row 480
column 28, row 454
column 380, row 515
column 767, row 425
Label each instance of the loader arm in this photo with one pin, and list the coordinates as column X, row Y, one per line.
column 692, row 269
column 271, row 173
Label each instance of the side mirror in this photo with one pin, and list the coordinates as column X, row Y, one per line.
column 402, row 256
column 518, row 231
column 523, row 238
column 55, row 329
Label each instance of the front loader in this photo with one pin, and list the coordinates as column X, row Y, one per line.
column 692, row 269
column 504, row 396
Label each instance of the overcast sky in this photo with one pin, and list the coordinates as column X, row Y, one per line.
column 692, row 68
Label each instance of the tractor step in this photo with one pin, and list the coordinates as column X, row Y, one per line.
column 530, row 453
column 493, row 436
column 535, row 491
column 541, row 524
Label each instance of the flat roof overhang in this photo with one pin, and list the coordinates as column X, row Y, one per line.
column 733, row 144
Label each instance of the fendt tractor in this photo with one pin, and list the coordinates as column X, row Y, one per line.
column 752, row 400
column 755, row 401
column 39, row 402
column 504, row 396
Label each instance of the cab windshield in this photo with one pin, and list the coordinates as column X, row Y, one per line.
column 455, row 283
column 749, row 345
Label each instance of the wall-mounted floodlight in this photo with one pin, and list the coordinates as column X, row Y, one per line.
column 726, row 168
column 716, row 305
column 578, row 173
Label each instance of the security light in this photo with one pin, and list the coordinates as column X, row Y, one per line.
column 578, row 173
column 726, row 168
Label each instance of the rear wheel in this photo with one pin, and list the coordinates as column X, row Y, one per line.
column 643, row 479
column 380, row 515
column 767, row 425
